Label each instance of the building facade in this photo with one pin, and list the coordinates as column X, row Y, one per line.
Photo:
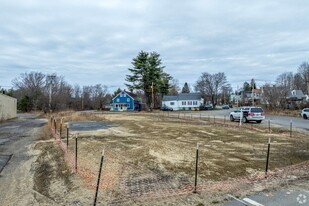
column 8, row 107
column 125, row 101
column 183, row 101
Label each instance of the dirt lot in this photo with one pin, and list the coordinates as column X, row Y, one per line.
column 149, row 159
column 166, row 146
column 169, row 145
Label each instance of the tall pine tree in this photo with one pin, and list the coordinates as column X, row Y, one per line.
column 147, row 70
column 185, row 88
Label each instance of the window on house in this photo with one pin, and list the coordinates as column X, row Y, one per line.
column 189, row 102
column 118, row 100
column 116, row 105
column 124, row 95
column 172, row 103
column 183, row 103
column 194, row 102
column 121, row 95
column 128, row 99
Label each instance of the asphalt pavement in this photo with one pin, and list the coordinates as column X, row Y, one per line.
column 298, row 123
column 293, row 196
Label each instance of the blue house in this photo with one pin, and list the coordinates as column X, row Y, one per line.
column 125, row 101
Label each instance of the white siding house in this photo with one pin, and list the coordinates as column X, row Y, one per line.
column 184, row 101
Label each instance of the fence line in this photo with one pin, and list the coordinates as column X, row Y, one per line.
column 123, row 181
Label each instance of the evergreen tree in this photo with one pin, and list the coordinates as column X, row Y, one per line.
column 252, row 84
column 185, row 88
column 116, row 92
column 246, row 87
column 147, row 70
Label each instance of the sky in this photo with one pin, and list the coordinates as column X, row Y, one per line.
column 93, row 41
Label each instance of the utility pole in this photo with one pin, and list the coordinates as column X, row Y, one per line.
column 51, row 82
column 252, row 85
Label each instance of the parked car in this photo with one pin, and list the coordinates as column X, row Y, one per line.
column 209, row 106
column 225, row 106
column 305, row 113
column 203, row 107
column 166, row 108
column 249, row 114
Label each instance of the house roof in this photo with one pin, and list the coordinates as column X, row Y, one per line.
column 189, row 96
column 183, row 96
column 296, row 94
column 134, row 96
column 170, row 98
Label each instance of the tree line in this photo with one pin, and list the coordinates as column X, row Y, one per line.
column 147, row 79
column 277, row 93
column 33, row 90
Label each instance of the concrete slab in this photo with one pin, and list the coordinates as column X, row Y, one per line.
column 88, row 126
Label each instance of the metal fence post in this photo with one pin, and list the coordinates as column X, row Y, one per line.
column 269, row 125
column 196, row 169
column 76, row 153
column 68, row 138
column 267, row 159
column 99, row 178
column 61, row 126
column 291, row 126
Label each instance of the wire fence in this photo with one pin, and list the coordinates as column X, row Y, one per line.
column 123, row 181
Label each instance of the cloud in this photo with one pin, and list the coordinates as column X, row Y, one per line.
column 94, row 41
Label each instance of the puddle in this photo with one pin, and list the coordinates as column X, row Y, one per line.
column 88, row 126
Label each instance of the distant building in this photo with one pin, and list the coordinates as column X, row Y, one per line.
column 183, row 101
column 126, row 101
column 8, row 107
column 296, row 95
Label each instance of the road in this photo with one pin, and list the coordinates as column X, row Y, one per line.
column 16, row 157
column 296, row 194
column 298, row 123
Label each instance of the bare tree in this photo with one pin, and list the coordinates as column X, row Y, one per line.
column 226, row 94
column 174, row 88
column 299, row 82
column 30, row 85
column 284, row 86
column 99, row 93
column 303, row 70
column 211, row 85
column 271, row 95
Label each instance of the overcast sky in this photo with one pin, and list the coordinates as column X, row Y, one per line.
column 91, row 42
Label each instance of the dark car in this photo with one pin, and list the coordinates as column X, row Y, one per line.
column 166, row 108
column 225, row 106
column 203, row 107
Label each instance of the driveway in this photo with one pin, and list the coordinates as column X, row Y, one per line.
column 16, row 158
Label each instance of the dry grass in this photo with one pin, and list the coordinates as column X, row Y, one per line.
column 168, row 145
column 283, row 112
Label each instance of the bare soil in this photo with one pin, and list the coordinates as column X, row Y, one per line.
column 37, row 174
column 168, row 144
